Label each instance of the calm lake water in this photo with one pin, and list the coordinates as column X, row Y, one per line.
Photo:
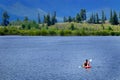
column 59, row 58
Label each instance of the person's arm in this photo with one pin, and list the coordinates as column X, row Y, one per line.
column 88, row 63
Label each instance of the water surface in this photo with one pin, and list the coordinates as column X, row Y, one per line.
column 58, row 58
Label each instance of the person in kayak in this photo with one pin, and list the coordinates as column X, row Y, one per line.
column 86, row 64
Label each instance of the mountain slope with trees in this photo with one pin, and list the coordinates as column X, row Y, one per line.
column 77, row 25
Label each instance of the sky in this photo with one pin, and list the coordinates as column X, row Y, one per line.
column 30, row 8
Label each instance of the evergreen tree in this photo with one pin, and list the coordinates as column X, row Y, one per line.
column 26, row 19
column 119, row 15
column 97, row 18
column 69, row 19
column 91, row 19
column 103, row 17
column 54, row 20
column 48, row 20
column 78, row 19
column 39, row 21
column 83, row 14
column 115, row 19
column 111, row 16
column 65, row 19
column 45, row 19
column 5, row 18
column 73, row 19
column 94, row 20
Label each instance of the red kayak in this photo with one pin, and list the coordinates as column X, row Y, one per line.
column 87, row 67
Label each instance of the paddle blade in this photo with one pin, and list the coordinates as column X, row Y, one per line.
column 90, row 60
column 79, row 66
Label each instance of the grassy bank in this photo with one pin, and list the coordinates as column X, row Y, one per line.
column 65, row 29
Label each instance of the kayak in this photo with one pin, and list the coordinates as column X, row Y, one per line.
column 87, row 67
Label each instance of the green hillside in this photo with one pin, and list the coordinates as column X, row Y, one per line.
column 64, row 29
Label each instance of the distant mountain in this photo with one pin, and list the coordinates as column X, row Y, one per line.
column 19, row 10
column 30, row 8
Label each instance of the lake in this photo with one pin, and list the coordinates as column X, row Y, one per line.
column 59, row 58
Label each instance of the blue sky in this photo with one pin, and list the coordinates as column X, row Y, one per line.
column 30, row 8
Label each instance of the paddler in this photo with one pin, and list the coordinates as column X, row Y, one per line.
column 86, row 64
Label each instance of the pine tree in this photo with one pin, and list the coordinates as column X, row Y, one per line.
column 119, row 18
column 54, row 20
column 65, row 19
column 97, row 19
column 48, row 20
column 94, row 18
column 111, row 16
column 83, row 14
column 103, row 17
column 119, row 15
column 26, row 19
column 73, row 19
column 45, row 20
column 5, row 18
column 115, row 19
column 39, row 21
column 91, row 19
column 78, row 19
column 69, row 19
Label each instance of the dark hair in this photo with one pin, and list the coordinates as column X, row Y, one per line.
column 86, row 60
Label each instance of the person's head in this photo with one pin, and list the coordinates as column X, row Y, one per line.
column 86, row 60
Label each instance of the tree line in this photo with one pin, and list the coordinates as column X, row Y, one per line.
column 81, row 16
column 26, row 22
column 49, row 19
column 94, row 17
